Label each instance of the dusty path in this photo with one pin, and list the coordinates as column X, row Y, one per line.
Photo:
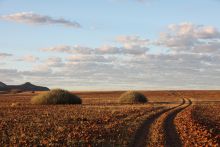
column 158, row 129
column 171, row 136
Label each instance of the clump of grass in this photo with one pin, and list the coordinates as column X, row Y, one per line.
column 56, row 96
column 15, row 104
column 131, row 97
column 15, row 91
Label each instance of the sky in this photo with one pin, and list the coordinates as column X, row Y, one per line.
column 111, row 44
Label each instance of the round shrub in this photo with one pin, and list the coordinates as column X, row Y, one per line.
column 131, row 97
column 56, row 96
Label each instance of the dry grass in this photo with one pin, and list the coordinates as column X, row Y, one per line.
column 56, row 96
column 131, row 97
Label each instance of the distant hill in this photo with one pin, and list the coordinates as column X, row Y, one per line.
column 23, row 87
column 3, row 86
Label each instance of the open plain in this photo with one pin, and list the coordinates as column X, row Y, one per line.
column 170, row 118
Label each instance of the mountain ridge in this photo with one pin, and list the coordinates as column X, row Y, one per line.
column 23, row 87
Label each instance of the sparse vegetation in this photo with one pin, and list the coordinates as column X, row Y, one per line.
column 104, row 122
column 15, row 91
column 199, row 125
column 15, row 104
column 56, row 96
column 208, row 116
column 131, row 97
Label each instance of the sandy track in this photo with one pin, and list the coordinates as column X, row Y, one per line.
column 158, row 129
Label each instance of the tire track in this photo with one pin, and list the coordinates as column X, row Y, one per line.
column 172, row 138
column 142, row 135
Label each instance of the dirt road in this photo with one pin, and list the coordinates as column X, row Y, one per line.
column 159, row 129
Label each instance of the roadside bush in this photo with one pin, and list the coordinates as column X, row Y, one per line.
column 15, row 91
column 56, row 96
column 131, row 97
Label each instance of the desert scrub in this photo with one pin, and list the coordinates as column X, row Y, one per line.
column 56, row 96
column 131, row 97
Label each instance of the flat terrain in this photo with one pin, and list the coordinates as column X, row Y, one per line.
column 171, row 118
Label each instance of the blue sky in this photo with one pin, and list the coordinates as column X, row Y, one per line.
column 40, row 41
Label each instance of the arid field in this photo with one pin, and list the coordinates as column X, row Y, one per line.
column 169, row 118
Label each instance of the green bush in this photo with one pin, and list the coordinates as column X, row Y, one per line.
column 131, row 97
column 56, row 96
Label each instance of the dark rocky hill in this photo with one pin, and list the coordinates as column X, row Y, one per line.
column 3, row 86
column 23, row 87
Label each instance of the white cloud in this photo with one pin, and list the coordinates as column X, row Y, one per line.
column 7, row 74
column 28, row 58
column 33, row 18
column 134, row 50
column 4, row 55
column 90, row 59
column 130, row 41
column 207, row 32
column 212, row 47
column 76, row 49
column 60, row 48
column 54, row 62
column 187, row 37
column 105, row 50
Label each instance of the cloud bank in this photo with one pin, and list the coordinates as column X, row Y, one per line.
column 129, row 45
column 187, row 37
column 192, row 62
